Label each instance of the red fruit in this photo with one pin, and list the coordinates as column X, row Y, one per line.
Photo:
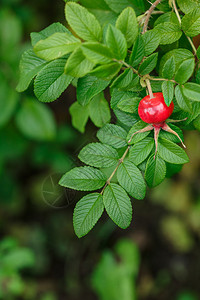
column 154, row 110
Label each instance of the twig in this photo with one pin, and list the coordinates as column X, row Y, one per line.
column 179, row 19
column 115, row 170
column 149, row 88
column 161, row 79
column 149, row 13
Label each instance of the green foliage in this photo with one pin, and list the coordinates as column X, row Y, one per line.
column 114, row 278
column 107, row 48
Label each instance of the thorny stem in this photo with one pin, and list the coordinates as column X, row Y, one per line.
column 115, row 170
column 149, row 13
column 149, row 88
column 179, row 19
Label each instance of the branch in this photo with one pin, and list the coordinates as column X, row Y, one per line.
column 179, row 19
column 149, row 13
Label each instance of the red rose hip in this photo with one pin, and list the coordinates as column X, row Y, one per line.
column 154, row 110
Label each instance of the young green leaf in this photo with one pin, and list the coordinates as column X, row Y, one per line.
column 80, row 115
column 148, row 64
column 183, row 102
column 99, row 155
column 83, row 22
column 137, row 53
column 139, row 136
column 168, row 91
column 83, row 179
column 99, row 110
column 56, row 46
column 106, row 72
column 36, row 121
column 131, row 179
column 191, row 23
column 185, row 71
column 141, row 150
column 112, row 135
column 118, row 205
column 87, row 212
column 88, row 87
column 127, row 23
column 169, row 32
column 48, row 31
column 151, row 41
column 51, row 81
column 116, row 41
column 77, row 64
column 171, row 152
column 29, row 66
column 97, row 53
column 155, row 171
column 192, row 91
column 168, row 69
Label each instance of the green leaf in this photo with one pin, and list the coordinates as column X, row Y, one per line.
column 36, row 121
column 185, row 71
column 125, row 80
column 97, row 53
column 169, row 32
column 141, row 150
column 186, row 6
column 51, row 81
column 127, row 23
column 56, row 46
column 168, row 69
column 182, row 100
column 137, row 53
column 29, row 66
column 198, row 53
column 191, row 23
column 83, row 22
column 171, row 152
column 170, row 136
column 151, row 41
column 107, row 72
column 196, row 123
column 45, row 33
column 118, row 5
column 88, row 87
column 99, row 155
column 118, row 205
column 179, row 56
column 112, row 135
column 99, row 110
column 167, row 17
column 8, row 102
column 138, row 136
column 80, row 115
column 192, row 91
column 116, row 41
column 131, row 179
column 83, row 179
column 168, row 91
column 77, row 64
column 148, row 64
column 124, row 118
column 87, row 212
column 155, row 171
column 129, row 105
column 96, row 4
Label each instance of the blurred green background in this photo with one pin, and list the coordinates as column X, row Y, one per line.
column 158, row 257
